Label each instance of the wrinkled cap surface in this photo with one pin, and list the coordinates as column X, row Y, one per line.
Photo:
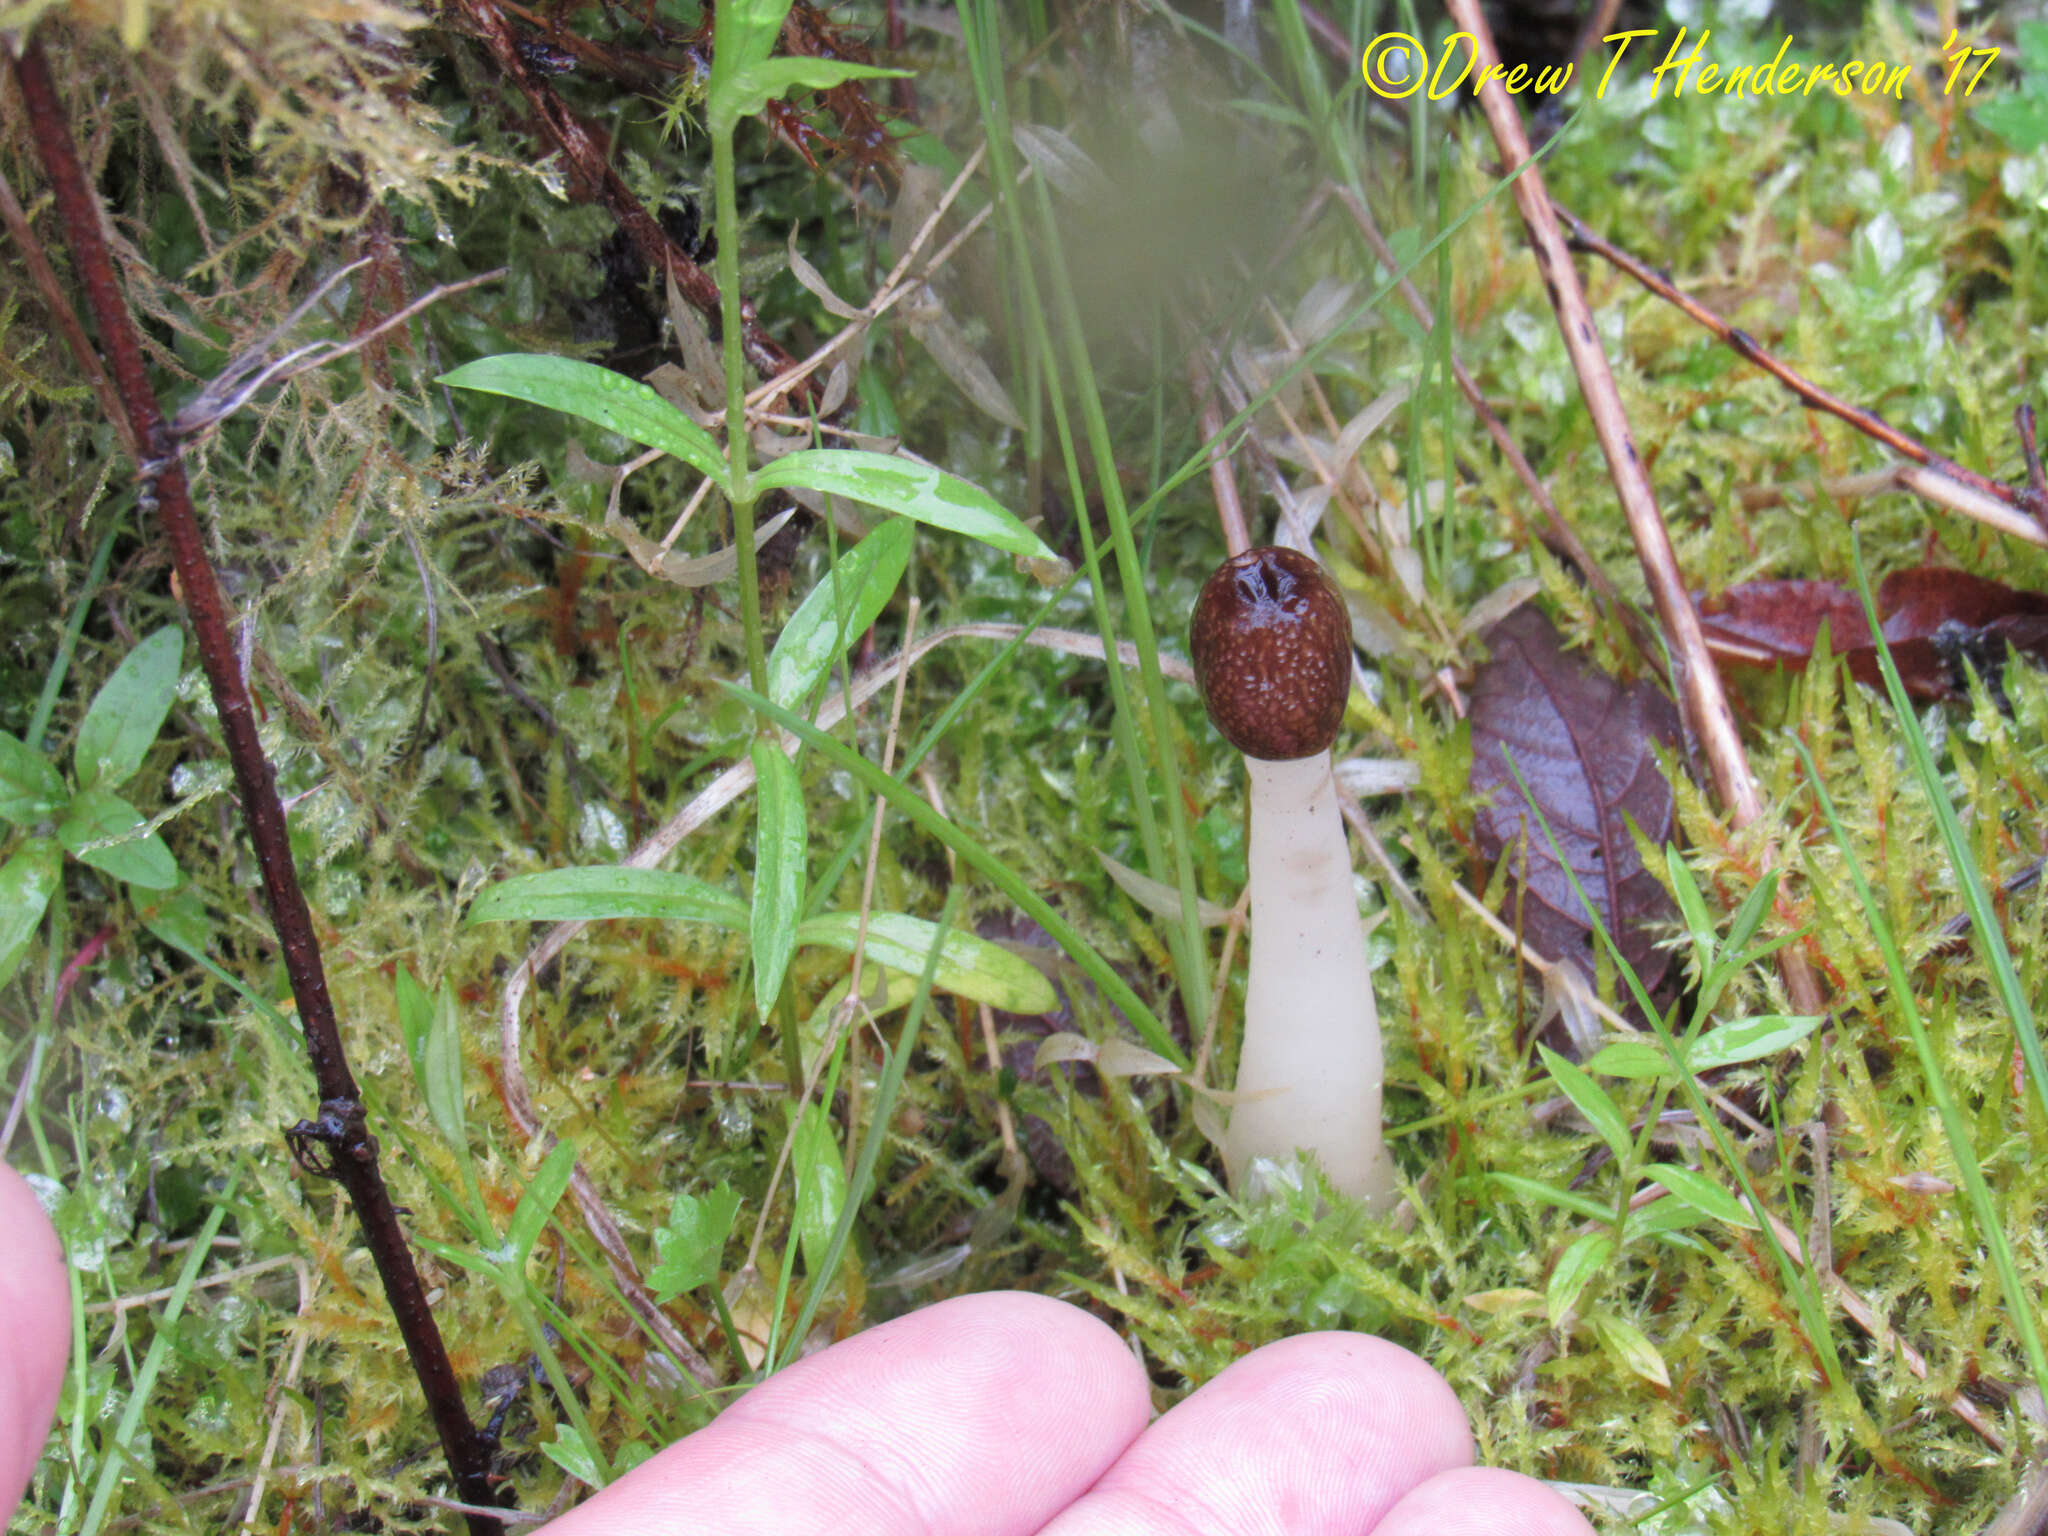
column 1271, row 644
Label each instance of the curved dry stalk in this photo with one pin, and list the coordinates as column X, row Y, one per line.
column 893, row 290
column 1698, row 682
column 515, row 1093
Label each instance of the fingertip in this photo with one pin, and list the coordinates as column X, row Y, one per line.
column 1331, row 1427
column 987, row 1412
column 1483, row 1501
column 35, row 1332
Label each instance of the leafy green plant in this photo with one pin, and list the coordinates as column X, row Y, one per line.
column 1668, row 1064
column 84, row 817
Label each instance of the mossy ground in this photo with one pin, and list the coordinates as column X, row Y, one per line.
column 406, row 557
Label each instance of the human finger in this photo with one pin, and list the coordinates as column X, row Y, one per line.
column 1482, row 1501
column 35, row 1332
column 984, row 1415
column 1319, row 1433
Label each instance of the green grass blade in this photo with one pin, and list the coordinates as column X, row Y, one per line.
column 116, row 1461
column 884, row 1110
column 1985, row 929
column 1989, row 1227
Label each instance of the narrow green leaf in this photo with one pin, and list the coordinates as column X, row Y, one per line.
column 969, row 966
column 1631, row 1348
column 530, row 1217
column 597, row 395
column 1690, row 903
column 1751, row 1039
column 692, row 1244
column 27, row 881
column 1666, row 1219
column 30, row 788
column 594, row 892
column 820, row 1188
column 430, row 1028
column 128, row 711
column 929, row 495
column 880, row 1117
column 818, row 632
column 779, row 856
column 1546, row 1194
column 415, row 1019
column 1739, row 1040
column 440, row 1068
column 1701, row 1193
column 478, row 1264
column 750, row 88
column 1591, row 1100
column 1584, row 1258
column 1635, row 1058
column 101, row 829
column 1750, row 915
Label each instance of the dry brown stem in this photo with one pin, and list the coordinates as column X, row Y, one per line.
column 1699, row 689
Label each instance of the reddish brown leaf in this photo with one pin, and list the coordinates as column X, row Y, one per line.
column 1938, row 623
column 1760, row 623
column 1583, row 744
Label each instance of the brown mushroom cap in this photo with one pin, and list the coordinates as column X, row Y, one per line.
column 1271, row 642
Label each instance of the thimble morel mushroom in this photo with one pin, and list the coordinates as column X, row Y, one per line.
column 1271, row 643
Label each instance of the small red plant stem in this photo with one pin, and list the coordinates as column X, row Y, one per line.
column 76, row 967
column 341, row 1124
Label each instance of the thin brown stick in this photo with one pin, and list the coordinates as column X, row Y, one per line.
column 1699, row 683
column 2027, row 510
column 1594, row 29
column 340, row 1129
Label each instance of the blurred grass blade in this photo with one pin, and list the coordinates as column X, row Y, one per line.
column 114, row 1466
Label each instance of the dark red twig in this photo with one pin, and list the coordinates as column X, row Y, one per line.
column 585, row 152
column 347, row 1151
column 2037, row 482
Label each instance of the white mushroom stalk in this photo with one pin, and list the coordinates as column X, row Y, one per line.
column 1271, row 645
